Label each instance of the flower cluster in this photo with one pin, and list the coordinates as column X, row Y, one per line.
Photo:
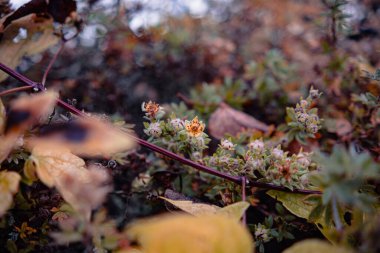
column 304, row 121
column 175, row 134
column 264, row 163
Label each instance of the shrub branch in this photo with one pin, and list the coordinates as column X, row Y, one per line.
column 241, row 180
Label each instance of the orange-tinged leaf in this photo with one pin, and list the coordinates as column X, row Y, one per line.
column 226, row 120
column 9, row 182
column 86, row 136
column 24, row 112
column 82, row 188
column 53, row 161
column 188, row 234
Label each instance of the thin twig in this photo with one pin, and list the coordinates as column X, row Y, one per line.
column 183, row 160
column 14, row 90
column 21, row 78
column 52, row 61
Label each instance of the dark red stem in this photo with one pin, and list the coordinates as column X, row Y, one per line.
column 243, row 196
column 14, row 90
column 236, row 179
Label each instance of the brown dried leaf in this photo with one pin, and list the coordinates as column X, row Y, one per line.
column 226, row 120
column 9, row 182
column 40, row 36
column 60, row 10
column 340, row 126
column 86, row 136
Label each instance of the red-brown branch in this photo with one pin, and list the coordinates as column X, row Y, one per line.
column 14, row 90
column 236, row 179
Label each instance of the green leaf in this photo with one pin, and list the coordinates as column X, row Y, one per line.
column 307, row 207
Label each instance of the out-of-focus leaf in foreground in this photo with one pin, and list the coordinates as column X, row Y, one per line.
column 315, row 246
column 86, row 136
column 9, row 182
column 25, row 36
column 84, row 189
column 188, row 234
column 24, row 113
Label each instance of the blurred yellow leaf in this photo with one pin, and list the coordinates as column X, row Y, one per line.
column 196, row 209
column 39, row 35
column 86, row 136
column 189, row 234
column 83, row 189
column 24, row 112
column 315, row 246
column 234, row 211
column 9, row 182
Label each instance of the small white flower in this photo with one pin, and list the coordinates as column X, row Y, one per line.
column 303, row 160
column 304, row 179
column 302, row 117
column 314, row 93
column 256, row 145
column 177, row 124
column 304, row 103
column 227, row 145
column 154, row 129
column 196, row 156
column 198, row 142
column 312, row 128
column 277, row 153
column 262, row 233
column 257, row 164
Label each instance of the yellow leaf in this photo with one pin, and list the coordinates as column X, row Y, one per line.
column 235, row 211
column 9, row 182
column 196, row 209
column 316, row 246
column 87, row 136
column 57, row 167
column 24, row 112
column 40, row 36
column 52, row 162
column 189, row 234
